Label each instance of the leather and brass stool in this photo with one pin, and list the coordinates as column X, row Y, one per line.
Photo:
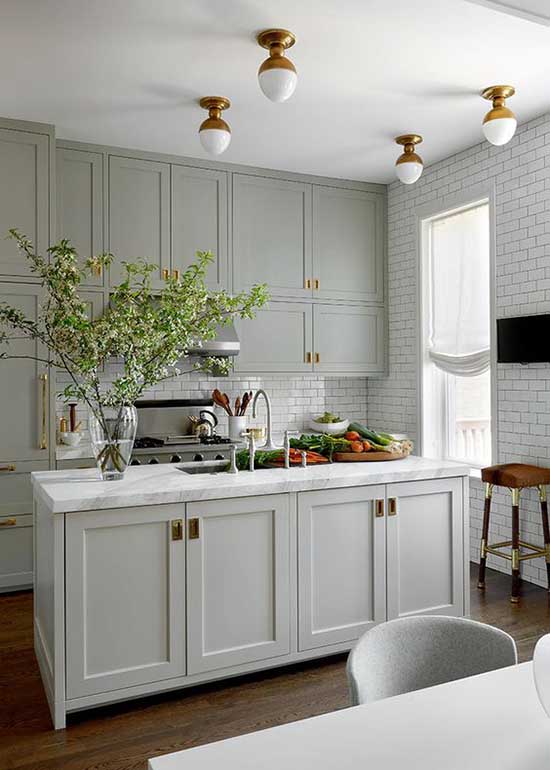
column 515, row 476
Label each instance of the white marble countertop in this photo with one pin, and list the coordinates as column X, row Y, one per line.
column 82, row 490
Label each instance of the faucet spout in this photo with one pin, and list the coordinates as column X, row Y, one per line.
column 269, row 445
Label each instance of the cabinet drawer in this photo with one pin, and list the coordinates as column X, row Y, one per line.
column 16, row 488
column 15, row 552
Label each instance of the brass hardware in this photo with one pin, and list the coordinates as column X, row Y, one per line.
column 317, row 358
column 307, row 283
column 214, row 105
column 379, row 509
column 176, row 275
column 257, row 432
column 515, row 496
column 408, row 141
column 8, row 522
column 165, row 274
column 498, row 92
column 392, row 506
column 537, row 551
column 488, row 491
column 44, row 423
column 316, row 284
column 542, row 493
column 276, row 41
column 194, row 532
column 515, row 558
column 308, row 358
column 176, row 526
column 547, row 552
column 7, row 468
column 96, row 270
column 483, row 549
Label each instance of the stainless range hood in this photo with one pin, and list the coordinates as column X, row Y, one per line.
column 225, row 343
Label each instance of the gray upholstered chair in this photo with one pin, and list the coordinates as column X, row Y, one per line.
column 412, row 653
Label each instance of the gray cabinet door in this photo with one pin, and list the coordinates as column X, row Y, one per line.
column 425, row 565
column 348, row 339
column 278, row 339
column 139, row 215
column 272, row 235
column 80, row 203
column 199, row 220
column 24, row 393
column 24, row 196
column 348, row 244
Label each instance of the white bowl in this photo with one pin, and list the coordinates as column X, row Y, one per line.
column 70, row 439
column 332, row 428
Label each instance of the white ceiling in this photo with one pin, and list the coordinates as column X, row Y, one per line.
column 129, row 72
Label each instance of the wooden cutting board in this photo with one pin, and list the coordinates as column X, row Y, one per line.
column 365, row 457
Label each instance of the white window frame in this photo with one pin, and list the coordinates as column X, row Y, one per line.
column 425, row 215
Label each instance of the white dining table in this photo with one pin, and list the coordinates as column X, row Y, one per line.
column 492, row 721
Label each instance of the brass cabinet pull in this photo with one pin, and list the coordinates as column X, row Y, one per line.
column 194, row 531
column 176, row 526
column 96, row 270
column 165, row 274
column 7, row 468
column 307, row 283
column 379, row 511
column 308, row 358
column 8, row 522
column 392, row 506
column 44, row 422
column 176, row 274
column 317, row 358
column 316, row 284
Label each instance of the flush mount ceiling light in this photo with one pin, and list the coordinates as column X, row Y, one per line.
column 499, row 125
column 409, row 165
column 214, row 132
column 277, row 74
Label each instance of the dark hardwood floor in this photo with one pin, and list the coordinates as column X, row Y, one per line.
column 123, row 737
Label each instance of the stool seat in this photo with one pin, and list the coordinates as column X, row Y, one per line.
column 515, row 475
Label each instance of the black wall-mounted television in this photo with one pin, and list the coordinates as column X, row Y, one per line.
column 523, row 340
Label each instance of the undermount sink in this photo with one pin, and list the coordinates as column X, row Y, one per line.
column 205, row 466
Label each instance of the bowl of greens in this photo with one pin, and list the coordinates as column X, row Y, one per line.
column 329, row 423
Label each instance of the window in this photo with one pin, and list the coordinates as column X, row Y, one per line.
column 456, row 332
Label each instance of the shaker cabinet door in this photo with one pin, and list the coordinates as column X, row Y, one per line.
column 199, row 220
column 348, row 244
column 278, row 339
column 348, row 339
column 80, row 203
column 425, row 548
column 24, row 196
column 341, row 565
column 125, row 598
column 139, row 215
column 272, row 235
column 238, row 581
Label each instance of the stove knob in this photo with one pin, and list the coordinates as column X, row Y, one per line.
column 198, row 458
column 135, row 461
column 175, row 459
column 154, row 461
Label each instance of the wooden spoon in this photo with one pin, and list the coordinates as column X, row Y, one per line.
column 237, row 406
column 221, row 400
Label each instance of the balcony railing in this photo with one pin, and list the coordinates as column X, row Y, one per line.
column 473, row 441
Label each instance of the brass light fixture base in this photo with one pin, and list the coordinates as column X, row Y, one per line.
column 405, row 139
column 498, row 92
column 278, row 37
column 215, row 103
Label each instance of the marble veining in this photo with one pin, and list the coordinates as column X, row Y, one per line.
column 82, row 490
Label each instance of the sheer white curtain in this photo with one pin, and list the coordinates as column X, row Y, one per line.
column 459, row 336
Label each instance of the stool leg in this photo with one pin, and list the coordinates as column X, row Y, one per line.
column 515, row 546
column 484, row 535
column 545, row 528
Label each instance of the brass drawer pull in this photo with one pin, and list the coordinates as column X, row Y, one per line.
column 165, row 274
column 308, row 358
column 8, row 522
column 44, row 422
column 379, row 511
column 316, row 284
column 176, row 526
column 194, row 531
column 307, row 283
column 317, row 358
column 7, row 468
column 96, row 270
column 392, row 506
column 176, row 275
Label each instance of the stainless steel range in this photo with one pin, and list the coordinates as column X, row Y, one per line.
column 176, row 431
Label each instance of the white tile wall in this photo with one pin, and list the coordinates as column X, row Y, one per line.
column 520, row 172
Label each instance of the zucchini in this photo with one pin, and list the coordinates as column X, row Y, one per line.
column 377, row 439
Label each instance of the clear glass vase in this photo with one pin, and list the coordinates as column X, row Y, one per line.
column 112, row 434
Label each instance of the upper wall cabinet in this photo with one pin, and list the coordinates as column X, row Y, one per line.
column 80, row 203
column 199, row 220
column 348, row 339
column 348, row 244
column 24, row 196
column 139, row 214
column 272, row 235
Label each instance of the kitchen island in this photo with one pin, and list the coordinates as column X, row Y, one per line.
column 164, row 580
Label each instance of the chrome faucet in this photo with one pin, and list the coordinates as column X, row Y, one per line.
column 269, row 445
